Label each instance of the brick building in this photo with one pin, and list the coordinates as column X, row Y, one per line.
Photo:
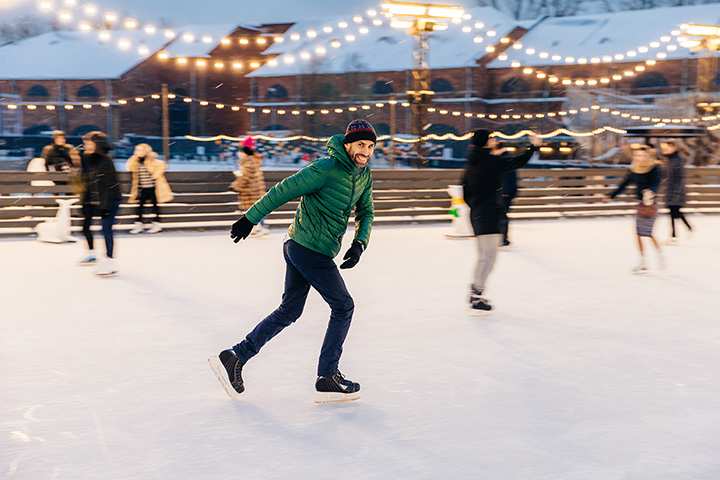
column 471, row 64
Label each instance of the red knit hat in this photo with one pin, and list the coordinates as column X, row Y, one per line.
column 360, row 130
column 249, row 142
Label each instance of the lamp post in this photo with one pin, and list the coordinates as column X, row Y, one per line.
column 420, row 20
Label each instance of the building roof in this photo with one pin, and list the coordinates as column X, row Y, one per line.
column 607, row 34
column 385, row 48
column 72, row 56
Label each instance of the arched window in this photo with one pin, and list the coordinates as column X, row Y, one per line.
column 179, row 114
column 38, row 91
column 88, row 91
column 382, row 128
column 326, row 91
column 277, row 91
column 275, row 127
column 382, row 87
column 441, row 85
column 515, row 85
column 37, row 130
column 83, row 129
column 650, row 80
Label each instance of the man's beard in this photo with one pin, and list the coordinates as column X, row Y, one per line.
column 358, row 155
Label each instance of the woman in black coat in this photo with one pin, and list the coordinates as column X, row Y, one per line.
column 675, row 192
column 645, row 174
column 100, row 198
column 482, row 191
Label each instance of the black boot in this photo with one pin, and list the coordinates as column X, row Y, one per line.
column 478, row 304
column 336, row 388
column 228, row 370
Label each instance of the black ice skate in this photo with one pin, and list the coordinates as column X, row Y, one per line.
column 228, row 370
column 478, row 304
column 336, row 389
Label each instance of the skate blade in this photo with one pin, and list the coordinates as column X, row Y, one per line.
column 221, row 376
column 322, row 398
column 479, row 313
column 106, row 275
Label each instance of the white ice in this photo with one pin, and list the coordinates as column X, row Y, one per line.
column 585, row 372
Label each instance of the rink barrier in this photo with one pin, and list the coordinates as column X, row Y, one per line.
column 203, row 199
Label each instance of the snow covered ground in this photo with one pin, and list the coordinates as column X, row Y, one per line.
column 585, row 372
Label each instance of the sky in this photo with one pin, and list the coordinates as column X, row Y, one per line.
column 213, row 11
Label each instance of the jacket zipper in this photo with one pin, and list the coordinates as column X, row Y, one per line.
column 352, row 195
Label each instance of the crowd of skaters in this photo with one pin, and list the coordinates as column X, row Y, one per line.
column 490, row 188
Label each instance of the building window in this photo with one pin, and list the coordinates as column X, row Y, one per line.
column 37, row 130
column 275, row 127
column 441, row 85
column 83, row 129
column 515, row 85
column 277, row 91
column 179, row 114
column 88, row 91
column 650, row 80
column 38, row 91
column 382, row 128
column 382, row 87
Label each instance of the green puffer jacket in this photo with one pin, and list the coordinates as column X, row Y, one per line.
column 331, row 188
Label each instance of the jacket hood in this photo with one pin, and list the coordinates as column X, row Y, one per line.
column 336, row 149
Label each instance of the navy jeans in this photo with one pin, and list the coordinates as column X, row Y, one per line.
column 107, row 220
column 305, row 269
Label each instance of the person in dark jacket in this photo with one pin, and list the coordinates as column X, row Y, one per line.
column 509, row 192
column 646, row 175
column 59, row 156
column 100, row 198
column 482, row 191
column 329, row 190
column 675, row 192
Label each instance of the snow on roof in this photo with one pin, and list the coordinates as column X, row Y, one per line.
column 206, row 39
column 385, row 48
column 607, row 34
column 72, row 56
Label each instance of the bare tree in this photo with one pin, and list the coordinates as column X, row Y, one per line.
column 22, row 27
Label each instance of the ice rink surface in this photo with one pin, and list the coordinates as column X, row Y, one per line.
column 585, row 372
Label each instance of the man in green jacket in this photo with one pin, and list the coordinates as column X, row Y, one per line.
column 329, row 190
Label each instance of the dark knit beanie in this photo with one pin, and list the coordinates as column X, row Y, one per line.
column 480, row 138
column 359, row 130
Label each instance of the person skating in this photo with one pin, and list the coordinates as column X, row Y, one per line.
column 250, row 184
column 59, row 156
column 329, row 189
column 482, row 190
column 645, row 174
column 148, row 184
column 101, row 197
column 675, row 192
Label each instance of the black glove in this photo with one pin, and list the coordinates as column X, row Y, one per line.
column 241, row 229
column 352, row 256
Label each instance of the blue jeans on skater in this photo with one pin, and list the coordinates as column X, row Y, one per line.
column 305, row 269
column 107, row 221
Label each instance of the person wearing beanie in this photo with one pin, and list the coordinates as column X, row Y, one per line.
column 482, row 190
column 250, row 183
column 329, row 189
